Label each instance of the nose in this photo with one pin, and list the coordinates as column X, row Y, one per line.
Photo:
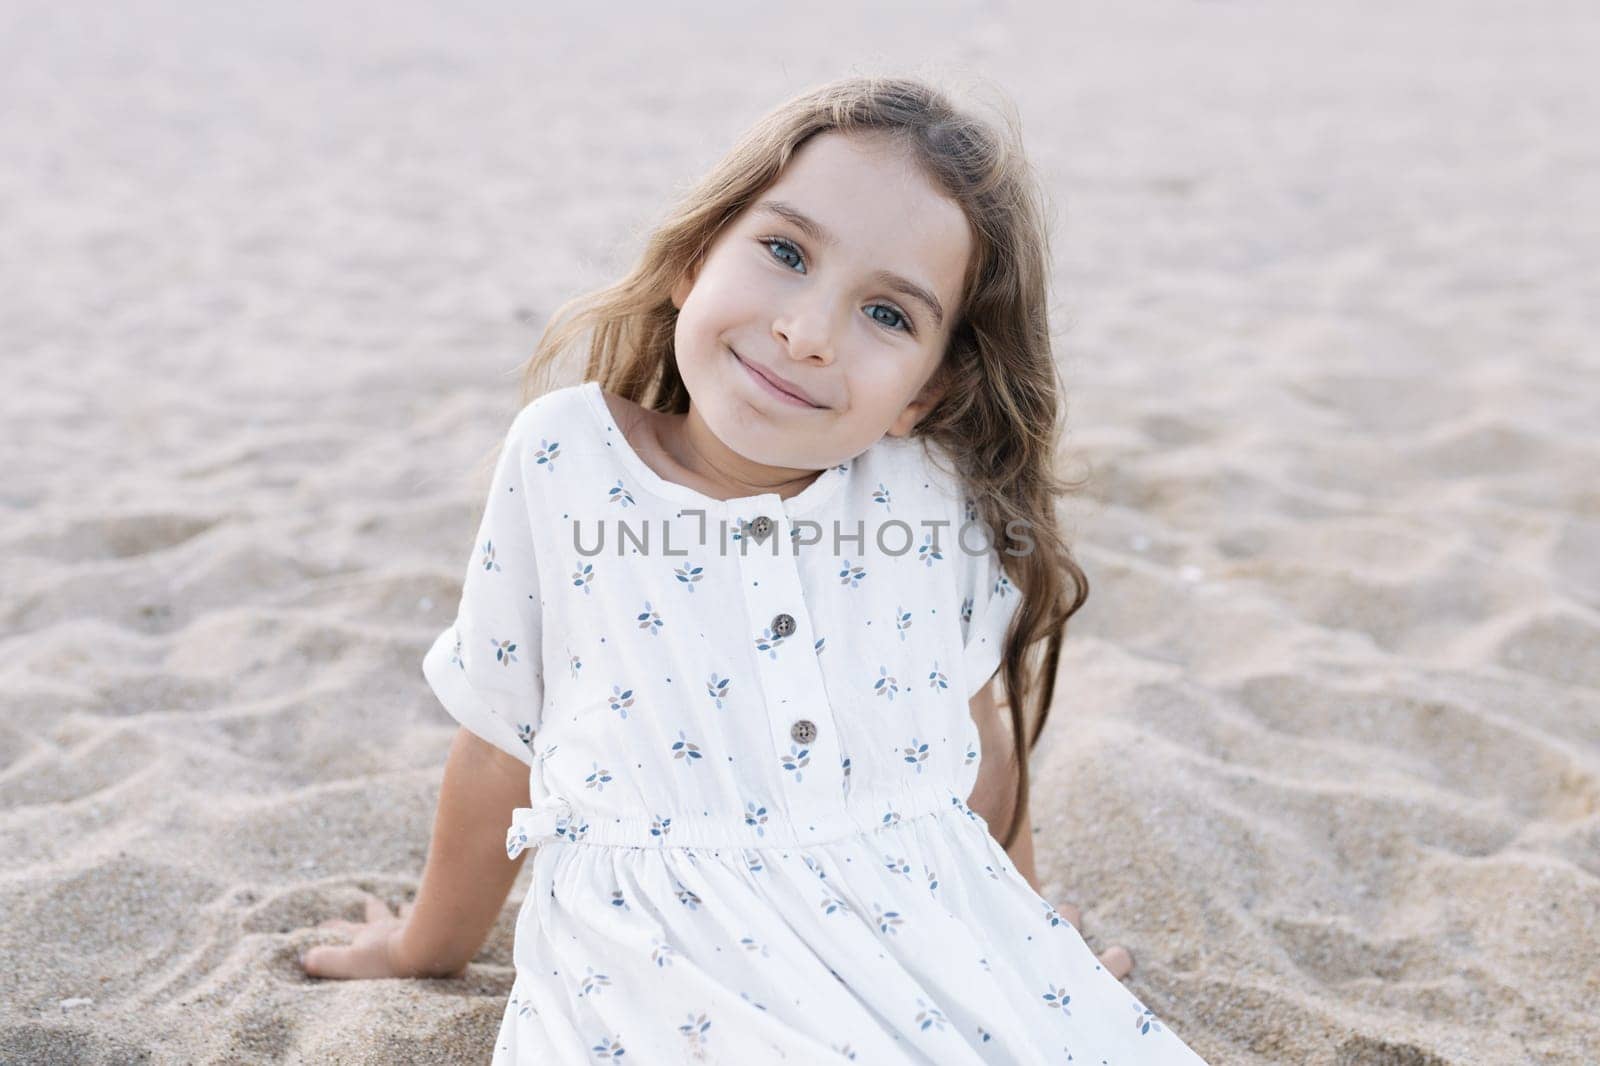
column 806, row 328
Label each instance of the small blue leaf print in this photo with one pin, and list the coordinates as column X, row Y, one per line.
column 832, row 904
column 547, row 454
column 1058, row 998
column 966, row 613
column 684, row 749
column 504, row 651
column 594, row 982
column 818, row 644
column 659, row 826
column 694, row 1030
column 661, row 953
column 881, row 495
column 902, row 622
column 750, row 943
column 933, row 879
column 927, row 551
column 621, row 699
column 574, row 664
column 1144, row 1019
column 847, row 1051
column 717, row 689
column 888, row 921
column 619, row 900
column 851, row 575
column 972, row 752
column 916, row 754
column 687, row 897
column 769, row 642
column 488, row 556
column 752, row 861
column 971, row 508
column 597, row 780
column 650, row 619
column 816, row 867
column 572, row 832
column 1052, row 917
column 525, row 733
column 609, row 1048
column 757, row 817
column 891, row 817
column 516, row 842
column 885, row 685
column 984, row 962
column 455, row 654
column 1002, row 586
column 583, row 577
column 689, row 576
column 897, row 866
column 936, row 678
column 929, row 1016
column 618, row 494
column 797, row 759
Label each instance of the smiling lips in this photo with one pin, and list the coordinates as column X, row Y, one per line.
column 778, row 386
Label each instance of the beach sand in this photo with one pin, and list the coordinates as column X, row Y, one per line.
column 1326, row 748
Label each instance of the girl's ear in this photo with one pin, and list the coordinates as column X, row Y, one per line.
column 933, row 390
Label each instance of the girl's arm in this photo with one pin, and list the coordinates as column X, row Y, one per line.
column 464, row 883
column 994, row 793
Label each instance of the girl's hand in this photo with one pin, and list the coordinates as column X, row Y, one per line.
column 1117, row 960
column 374, row 948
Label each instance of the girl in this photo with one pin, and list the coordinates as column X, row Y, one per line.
column 724, row 651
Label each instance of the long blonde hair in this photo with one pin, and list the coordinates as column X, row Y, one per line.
column 998, row 418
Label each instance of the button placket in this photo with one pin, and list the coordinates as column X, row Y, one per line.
column 796, row 700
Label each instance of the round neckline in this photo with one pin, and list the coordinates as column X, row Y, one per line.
column 807, row 499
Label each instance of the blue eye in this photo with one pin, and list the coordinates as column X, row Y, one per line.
column 781, row 243
column 898, row 316
column 904, row 322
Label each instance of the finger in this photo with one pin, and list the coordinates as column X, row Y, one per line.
column 342, row 961
column 1117, row 960
column 377, row 908
column 337, row 925
column 326, row 961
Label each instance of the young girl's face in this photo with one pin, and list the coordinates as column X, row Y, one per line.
column 842, row 279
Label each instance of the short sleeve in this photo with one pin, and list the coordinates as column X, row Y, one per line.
column 487, row 667
column 989, row 600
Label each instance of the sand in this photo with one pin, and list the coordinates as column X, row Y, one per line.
column 1326, row 755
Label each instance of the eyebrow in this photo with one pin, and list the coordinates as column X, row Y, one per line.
column 814, row 230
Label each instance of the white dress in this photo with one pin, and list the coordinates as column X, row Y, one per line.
column 749, row 759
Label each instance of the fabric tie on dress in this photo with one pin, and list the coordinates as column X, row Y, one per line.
column 530, row 825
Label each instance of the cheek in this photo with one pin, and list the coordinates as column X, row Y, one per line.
column 740, row 290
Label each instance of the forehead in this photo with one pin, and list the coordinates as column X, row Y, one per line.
column 880, row 208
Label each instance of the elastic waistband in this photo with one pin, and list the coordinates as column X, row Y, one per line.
column 555, row 818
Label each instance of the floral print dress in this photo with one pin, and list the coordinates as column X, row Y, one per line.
column 750, row 748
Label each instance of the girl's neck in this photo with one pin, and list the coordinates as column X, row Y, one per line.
column 689, row 443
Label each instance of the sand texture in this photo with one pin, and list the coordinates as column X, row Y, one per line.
column 1326, row 753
